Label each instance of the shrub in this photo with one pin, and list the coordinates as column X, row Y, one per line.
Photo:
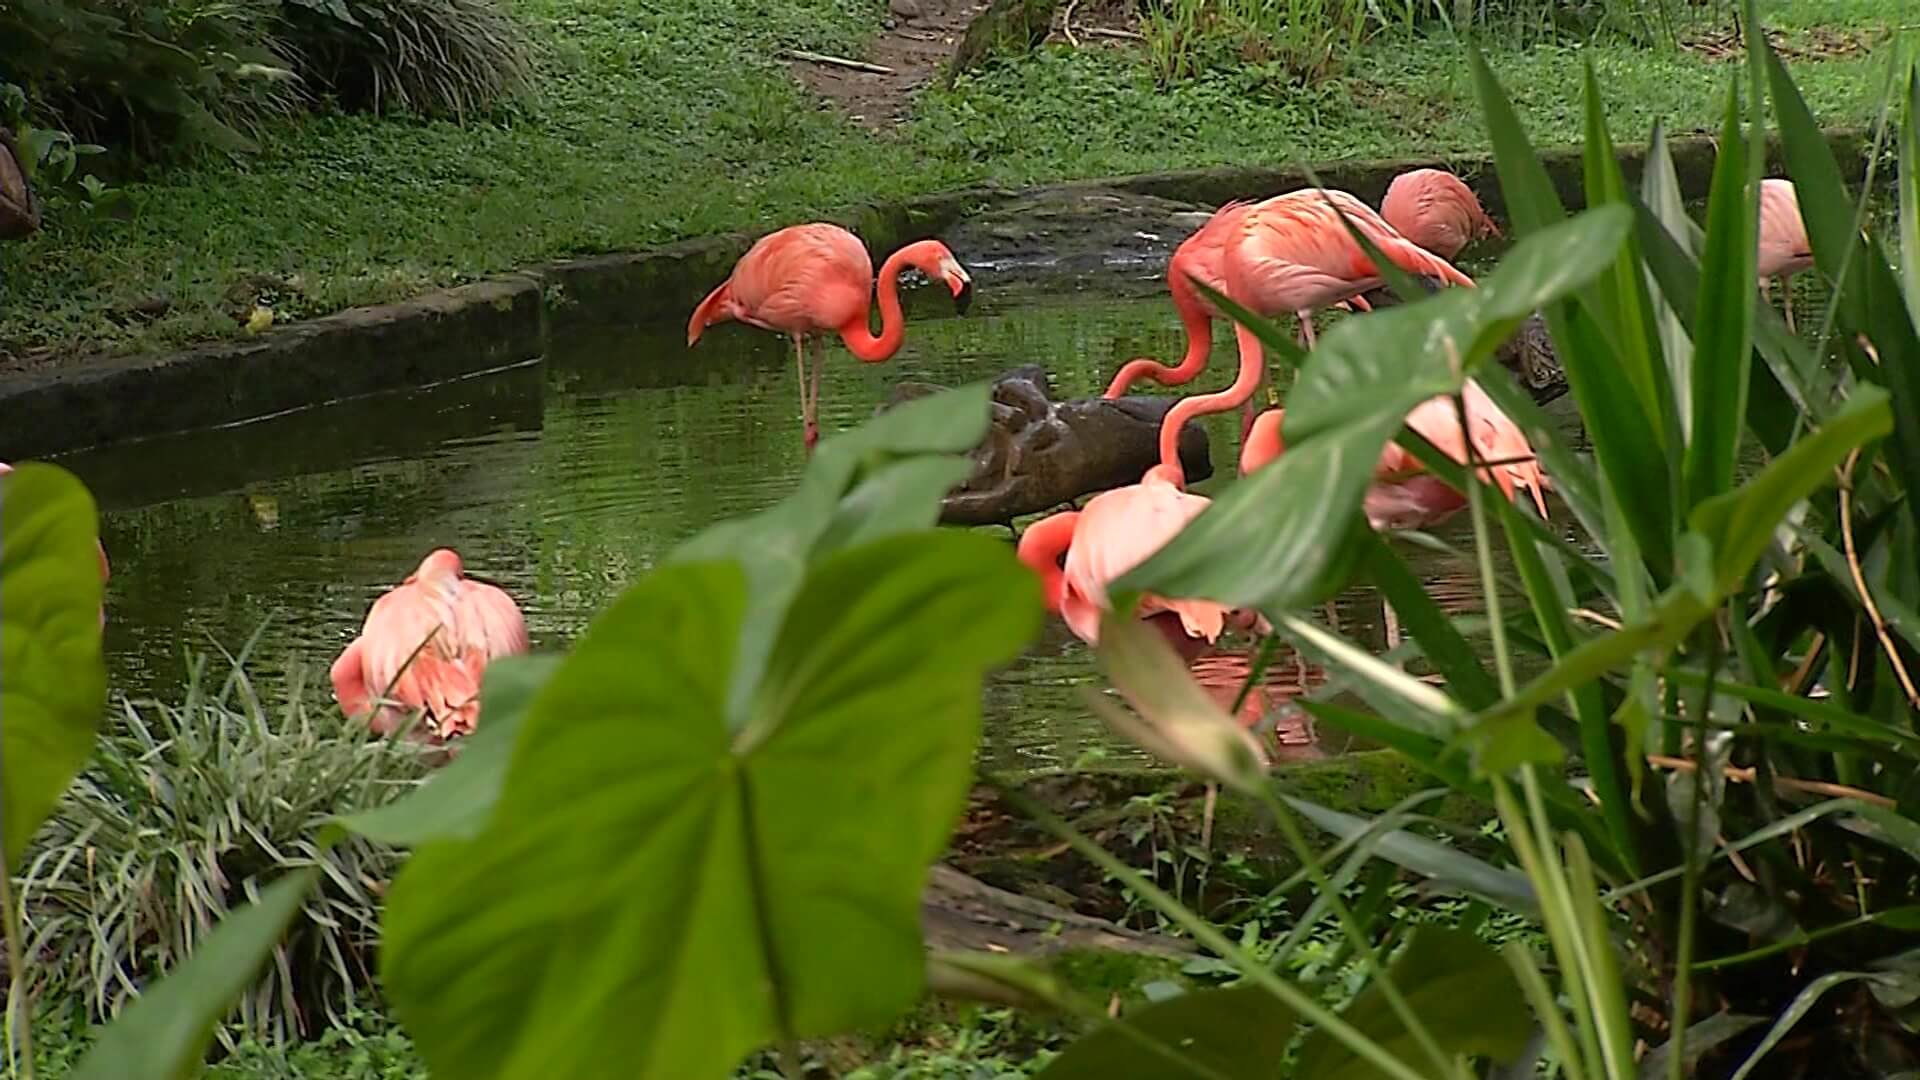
column 446, row 57
column 186, row 808
column 148, row 75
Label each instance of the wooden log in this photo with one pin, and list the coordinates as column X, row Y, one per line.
column 958, row 912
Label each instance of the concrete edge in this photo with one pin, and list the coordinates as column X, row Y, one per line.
column 506, row 319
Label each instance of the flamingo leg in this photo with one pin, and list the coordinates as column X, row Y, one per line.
column 1306, row 328
column 813, row 393
column 1786, row 301
column 806, row 404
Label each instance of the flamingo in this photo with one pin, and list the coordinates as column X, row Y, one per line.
column 1293, row 253
column 423, row 648
column 1200, row 256
column 1435, row 209
column 1404, row 495
column 1784, row 249
column 808, row 281
column 106, row 571
column 1077, row 553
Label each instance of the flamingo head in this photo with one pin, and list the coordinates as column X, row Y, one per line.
column 441, row 565
column 1263, row 441
column 1168, row 473
column 1043, row 549
column 936, row 260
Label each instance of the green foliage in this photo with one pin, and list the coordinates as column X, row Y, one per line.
column 164, row 1035
column 185, row 812
column 433, row 57
column 1241, row 1031
column 54, row 684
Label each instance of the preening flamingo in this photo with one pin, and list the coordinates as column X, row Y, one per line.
column 1437, row 210
column 1403, row 494
column 424, row 646
column 808, row 281
column 1784, row 248
column 1294, row 254
column 1078, row 553
column 106, row 571
column 1201, row 256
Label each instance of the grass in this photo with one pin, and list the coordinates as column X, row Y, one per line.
column 638, row 110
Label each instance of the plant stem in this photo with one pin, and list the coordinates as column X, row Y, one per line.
column 19, row 1018
column 1205, row 933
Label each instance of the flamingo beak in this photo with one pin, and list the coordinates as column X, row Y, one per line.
column 962, row 285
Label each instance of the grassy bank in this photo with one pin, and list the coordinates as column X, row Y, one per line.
column 648, row 123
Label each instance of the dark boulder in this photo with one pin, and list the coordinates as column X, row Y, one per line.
column 1040, row 453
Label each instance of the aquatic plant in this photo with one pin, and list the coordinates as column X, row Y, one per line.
column 183, row 812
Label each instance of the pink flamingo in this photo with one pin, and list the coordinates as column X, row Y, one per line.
column 808, row 281
column 1404, row 495
column 1294, row 254
column 1436, row 210
column 1784, row 248
column 1200, row 256
column 106, row 571
column 1077, row 553
column 423, row 649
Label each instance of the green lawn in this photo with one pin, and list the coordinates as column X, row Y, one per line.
column 651, row 122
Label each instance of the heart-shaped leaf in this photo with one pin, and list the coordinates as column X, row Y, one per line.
column 657, row 893
column 1461, row 990
column 1239, row 1033
column 53, row 685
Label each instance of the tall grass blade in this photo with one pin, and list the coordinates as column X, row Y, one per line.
column 1909, row 180
column 1724, row 329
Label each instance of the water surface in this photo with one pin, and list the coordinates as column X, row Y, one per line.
column 564, row 481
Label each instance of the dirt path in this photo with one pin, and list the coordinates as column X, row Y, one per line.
column 919, row 39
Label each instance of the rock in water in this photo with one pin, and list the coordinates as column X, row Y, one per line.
column 1529, row 353
column 1040, row 454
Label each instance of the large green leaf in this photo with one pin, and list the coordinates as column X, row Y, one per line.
column 658, row 893
column 1909, row 180
column 458, row 801
column 1278, row 539
column 163, row 1035
column 1462, row 991
column 860, row 485
column 1723, row 338
column 53, row 685
column 1237, row 1033
column 1448, row 866
column 1622, row 294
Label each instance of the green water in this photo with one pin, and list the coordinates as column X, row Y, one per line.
column 564, row 481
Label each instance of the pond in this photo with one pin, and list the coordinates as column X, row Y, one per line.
column 564, row 481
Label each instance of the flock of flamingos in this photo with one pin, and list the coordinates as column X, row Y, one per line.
column 418, row 661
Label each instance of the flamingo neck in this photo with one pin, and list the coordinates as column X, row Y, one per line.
column 1263, row 443
column 857, row 334
column 1199, row 327
column 1253, row 365
column 1043, row 548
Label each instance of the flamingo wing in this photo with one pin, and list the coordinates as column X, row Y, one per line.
column 803, row 279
